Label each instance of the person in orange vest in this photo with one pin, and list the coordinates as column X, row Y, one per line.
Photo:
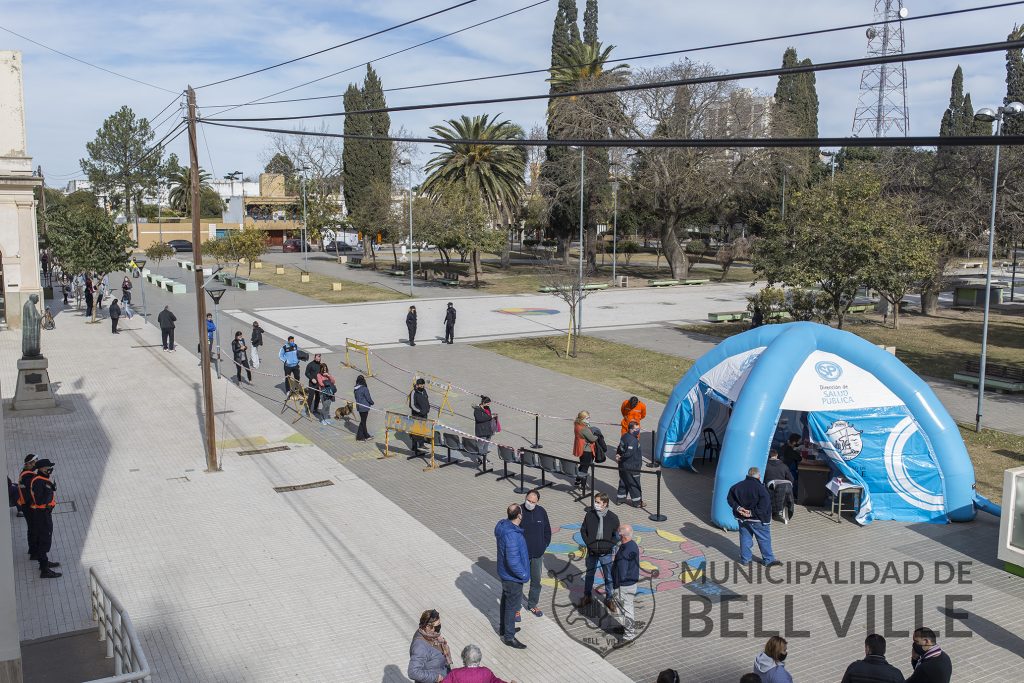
column 42, row 501
column 633, row 410
column 28, row 472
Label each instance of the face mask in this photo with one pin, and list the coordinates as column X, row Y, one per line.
column 529, row 505
column 919, row 649
column 782, row 657
column 601, row 511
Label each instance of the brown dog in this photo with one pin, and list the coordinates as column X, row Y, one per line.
column 343, row 411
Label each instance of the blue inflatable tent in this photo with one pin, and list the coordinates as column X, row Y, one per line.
column 877, row 423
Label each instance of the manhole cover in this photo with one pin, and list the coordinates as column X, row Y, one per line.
column 64, row 507
column 259, row 451
column 301, row 487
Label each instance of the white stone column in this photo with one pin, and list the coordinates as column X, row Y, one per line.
column 10, row 641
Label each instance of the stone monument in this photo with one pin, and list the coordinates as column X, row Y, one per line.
column 33, row 391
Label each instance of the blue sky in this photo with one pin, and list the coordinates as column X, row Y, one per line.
column 198, row 41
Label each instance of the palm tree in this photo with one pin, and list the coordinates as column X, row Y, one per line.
column 181, row 188
column 581, row 64
column 482, row 170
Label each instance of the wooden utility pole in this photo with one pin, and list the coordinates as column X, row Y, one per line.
column 212, row 464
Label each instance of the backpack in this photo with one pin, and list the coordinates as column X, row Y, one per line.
column 12, row 493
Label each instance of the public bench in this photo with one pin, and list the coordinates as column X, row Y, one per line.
column 728, row 316
column 397, row 273
column 246, row 284
column 185, row 265
column 174, row 287
column 1007, row 378
column 354, row 263
column 591, row 287
column 663, row 283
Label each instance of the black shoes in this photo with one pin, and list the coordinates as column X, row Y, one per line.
column 49, row 574
column 52, row 564
column 514, row 643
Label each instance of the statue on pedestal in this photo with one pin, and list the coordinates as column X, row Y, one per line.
column 31, row 324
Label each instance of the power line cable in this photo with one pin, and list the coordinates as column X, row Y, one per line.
column 917, row 141
column 652, row 55
column 168, row 105
column 82, row 61
column 335, row 47
column 382, row 58
column 719, row 78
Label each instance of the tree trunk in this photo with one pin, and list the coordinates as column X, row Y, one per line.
column 895, row 314
column 591, row 237
column 563, row 249
column 572, row 330
column 929, row 300
column 675, row 255
column 476, row 268
column 394, row 255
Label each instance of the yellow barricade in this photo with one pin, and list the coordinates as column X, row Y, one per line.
column 420, row 427
column 358, row 347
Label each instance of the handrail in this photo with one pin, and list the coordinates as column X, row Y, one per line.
column 116, row 629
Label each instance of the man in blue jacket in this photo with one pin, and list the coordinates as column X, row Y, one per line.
column 626, row 575
column 289, row 355
column 752, row 507
column 513, row 570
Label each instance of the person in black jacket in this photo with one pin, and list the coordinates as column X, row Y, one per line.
column 363, row 400
column 449, row 324
column 931, row 664
column 600, row 534
column 410, row 325
column 625, row 577
column 312, row 370
column 240, row 354
column 752, row 508
column 257, row 335
column 631, row 459
column 873, row 668
column 484, row 419
column 419, row 406
column 781, row 494
column 537, row 528
column 166, row 320
column 791, row 455
column 115, row 315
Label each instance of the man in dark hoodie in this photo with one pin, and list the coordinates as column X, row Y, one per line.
column 312, row 370
column 419, row 406
column 537, row 529
column 873, row 668
column 410, row 325
column 513, row 570
column 115, row 315
column 449, row 324
column 166, row 320
column 600, row 534
column 752, row 508
column 931, row 664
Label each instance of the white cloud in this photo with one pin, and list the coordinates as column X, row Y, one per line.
column 194, row 41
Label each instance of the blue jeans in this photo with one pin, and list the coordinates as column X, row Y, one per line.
column 605, row 562
column 511, row 601
column 749, row 530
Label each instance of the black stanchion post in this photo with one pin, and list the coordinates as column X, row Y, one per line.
column 536, row 431
column 593, row 479
column 657, row 516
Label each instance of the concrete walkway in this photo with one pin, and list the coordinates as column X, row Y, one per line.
column 225, row 578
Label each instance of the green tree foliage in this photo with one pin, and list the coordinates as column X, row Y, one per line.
column 830, row 237
column 180, row 196
column 958, row 119
column 366, row 165
column 282, row 164
column 159, row 251
column 120, row 163
column 590, row 22
column 1014, row 125
column 86, row 239
column 796, row 116
column 903, row 258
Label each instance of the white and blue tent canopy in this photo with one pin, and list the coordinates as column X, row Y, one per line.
column 878, row 423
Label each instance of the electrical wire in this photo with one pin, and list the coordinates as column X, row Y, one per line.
column 718, row 78
column 208, row 155
column 82, row 61
column 335, row 47
column 917, row 141
column 383, row 57
column 168, row 105
column 652, row 55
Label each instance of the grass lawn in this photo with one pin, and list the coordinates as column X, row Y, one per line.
column 932, row 346
column 647, row 374
column 653, row 375
column 319, row 286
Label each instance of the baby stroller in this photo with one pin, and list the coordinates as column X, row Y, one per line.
column 783, row 503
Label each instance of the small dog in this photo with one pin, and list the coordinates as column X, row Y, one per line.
column 343, row 411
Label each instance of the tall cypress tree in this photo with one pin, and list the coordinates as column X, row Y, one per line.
column 1013, row 125
column 590, row 22
column 379, row 157
column 796, row 115
column 354, row 180
column 952, row 119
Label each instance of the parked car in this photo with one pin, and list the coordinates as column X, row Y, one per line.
column 180, row 245
column 332, row 247
column 296, row 245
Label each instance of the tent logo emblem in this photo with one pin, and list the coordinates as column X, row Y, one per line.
column 828, row 370
column 845, row 439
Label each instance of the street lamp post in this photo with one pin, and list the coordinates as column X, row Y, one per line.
column 408, row 162
column 216, row 293
column 579, row 297
column 305, row 229
column 989, row 116
column 615, row 227
column 141, row 263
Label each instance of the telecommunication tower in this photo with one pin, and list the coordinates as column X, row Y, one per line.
column 883, row 87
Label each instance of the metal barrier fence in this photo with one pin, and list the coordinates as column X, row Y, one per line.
column 116, row 629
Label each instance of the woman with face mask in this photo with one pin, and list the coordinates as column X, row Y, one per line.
column 769, row 664
column 430, row 660
column 584, row 445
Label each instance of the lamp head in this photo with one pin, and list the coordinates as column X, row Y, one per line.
column 1014, row 108
column 987, row 115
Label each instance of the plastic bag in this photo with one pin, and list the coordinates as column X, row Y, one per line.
column 254, row 358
